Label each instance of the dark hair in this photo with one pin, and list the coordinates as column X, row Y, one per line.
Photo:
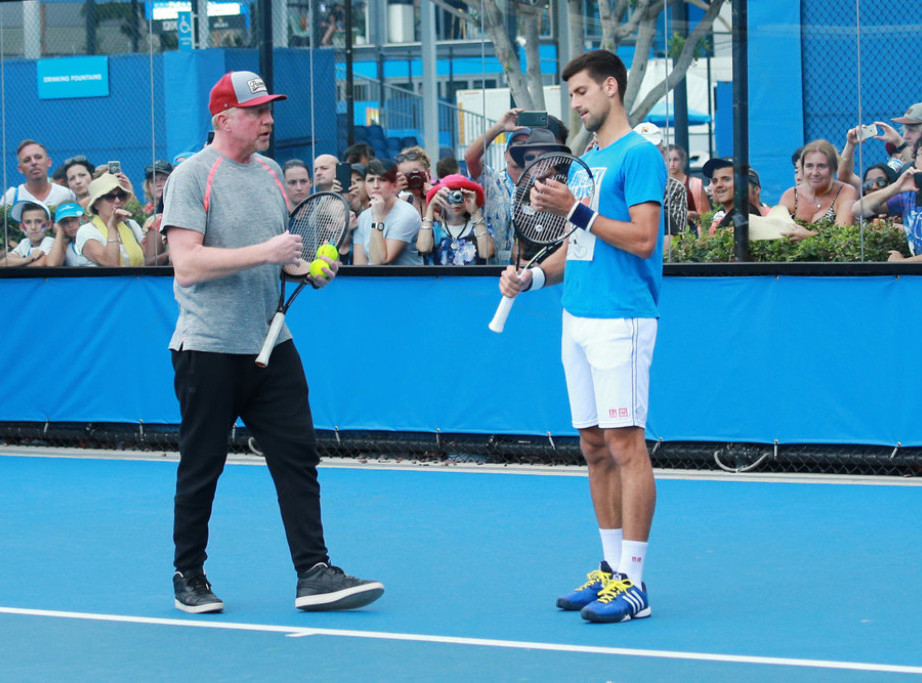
column 889, row 172
column 558, row 128
column 295, row 163
column 683, row 155
column 354, row 153
column 447, row 166
column 915, row 147
column 795, row 157
column 385, row 168
column 29, row 206
column 600, row 65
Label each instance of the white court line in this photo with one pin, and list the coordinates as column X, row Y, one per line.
column 297, row 632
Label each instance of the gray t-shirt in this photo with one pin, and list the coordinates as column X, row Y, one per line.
column 401, row 223
column 245, row 205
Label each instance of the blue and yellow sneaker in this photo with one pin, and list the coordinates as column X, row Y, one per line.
column 619, row 600
column 589, row 591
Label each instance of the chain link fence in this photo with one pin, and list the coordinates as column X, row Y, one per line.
column 438, row 449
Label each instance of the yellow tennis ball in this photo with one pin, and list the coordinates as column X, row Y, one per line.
column 328, row 250
column 317, row 266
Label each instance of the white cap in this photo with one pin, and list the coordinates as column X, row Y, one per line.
column 650, row 131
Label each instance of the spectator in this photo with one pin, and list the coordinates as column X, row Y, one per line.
column 59, row 177
column 388, row 229
column 33, row 218
column 877, row 177
column 69, row 218
column 675, row 201
column 453, row 232
column 112, row 238
column 902, row 198
column 497, row 184
column 795, row 160
column 358, row 194
column 325, row 174
column 181, row 157
column 155, row 176
column 447, row 166
column 558, row 129
column 34, row 163
column 819, row 196
column 676, row 163
column 297, row 182
column 755, row 193
column 359, row 153
column 901, row 143
column 413, row 176
column 723, row 187
column 78, row 171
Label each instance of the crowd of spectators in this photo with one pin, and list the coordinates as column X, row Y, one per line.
column 411, row 211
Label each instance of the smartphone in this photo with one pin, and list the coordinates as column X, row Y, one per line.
column 532, row 119
column 344, row 175
column 210, row 137
column 866, row 132
column 115, row 167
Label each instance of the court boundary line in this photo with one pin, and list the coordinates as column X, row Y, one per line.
column 300, row 632
column 532, row 470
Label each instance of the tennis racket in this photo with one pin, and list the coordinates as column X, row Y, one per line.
column 541, row 228
column 321, row 218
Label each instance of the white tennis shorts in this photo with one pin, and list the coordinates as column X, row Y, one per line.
column 607, row 365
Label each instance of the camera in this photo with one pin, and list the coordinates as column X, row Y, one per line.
column 416, row 180
column 455, row 197
column 115, row 167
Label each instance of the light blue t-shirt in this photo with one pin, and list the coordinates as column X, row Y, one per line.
column 602, row 281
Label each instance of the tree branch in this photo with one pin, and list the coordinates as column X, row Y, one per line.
column 687, row 56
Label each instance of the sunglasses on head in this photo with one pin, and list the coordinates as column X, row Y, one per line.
column 112, row 196
column 409, row 156
column 79, row 159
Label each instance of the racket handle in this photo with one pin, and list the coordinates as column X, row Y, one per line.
column 262, row 360
column 502, row 312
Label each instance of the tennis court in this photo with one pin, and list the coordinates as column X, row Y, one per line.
column 749, row 577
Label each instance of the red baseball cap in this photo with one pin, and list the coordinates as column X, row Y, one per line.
column 240, row 89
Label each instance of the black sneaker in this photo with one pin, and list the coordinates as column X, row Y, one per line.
column 193, row 593
column 323, row 587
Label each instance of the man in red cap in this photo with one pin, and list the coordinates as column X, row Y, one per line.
column 225, row 217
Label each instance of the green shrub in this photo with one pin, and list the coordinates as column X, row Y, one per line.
column 833, row 244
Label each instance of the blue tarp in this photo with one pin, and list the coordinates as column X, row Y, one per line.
column 797, row 359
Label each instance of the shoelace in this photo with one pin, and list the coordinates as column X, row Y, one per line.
column 612, row 588
column 199, row 584
column 595, row 577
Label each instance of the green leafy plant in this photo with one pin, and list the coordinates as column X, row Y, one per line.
column 833, row 243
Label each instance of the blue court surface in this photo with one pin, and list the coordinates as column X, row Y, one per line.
column 750, row 578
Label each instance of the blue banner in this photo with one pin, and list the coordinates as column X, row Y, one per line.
column 817, row 360
column 71, row 77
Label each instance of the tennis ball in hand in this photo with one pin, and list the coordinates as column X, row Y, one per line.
column 328, row 250
column 317, row 266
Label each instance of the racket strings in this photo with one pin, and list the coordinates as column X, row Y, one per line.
column 540, row 227
column 320, row 219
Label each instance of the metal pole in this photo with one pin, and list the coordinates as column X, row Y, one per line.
column 680, row 101
column 265, row 54
column 740, row 131
column 350, row 86
column 430, row 82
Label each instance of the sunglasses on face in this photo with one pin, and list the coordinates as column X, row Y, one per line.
column 112, row 196
column 874, row 184
column 409, row 156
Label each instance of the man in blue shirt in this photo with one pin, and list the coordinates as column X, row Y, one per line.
column 611, row 269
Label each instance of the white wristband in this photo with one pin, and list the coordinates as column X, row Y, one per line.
column 538, row 278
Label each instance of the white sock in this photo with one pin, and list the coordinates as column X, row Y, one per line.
column 632, row 557
column 611, row 546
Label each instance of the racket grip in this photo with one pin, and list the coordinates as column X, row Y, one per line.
column 262, row 360
column 502, row 312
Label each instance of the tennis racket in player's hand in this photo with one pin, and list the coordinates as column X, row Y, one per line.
column 320, row 219
column 533, row 222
